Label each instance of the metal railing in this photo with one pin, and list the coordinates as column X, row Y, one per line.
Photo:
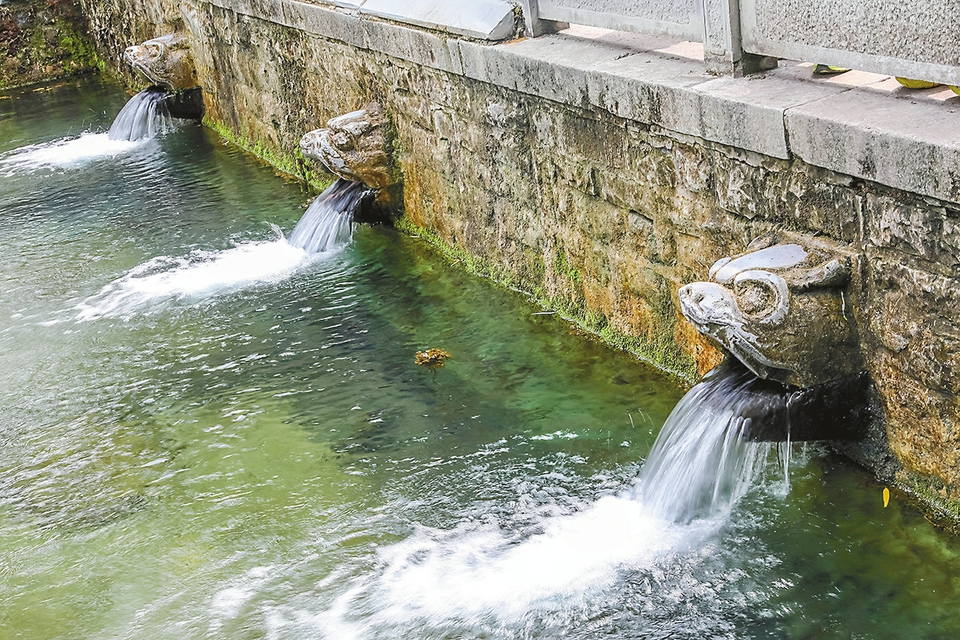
column 916, row 39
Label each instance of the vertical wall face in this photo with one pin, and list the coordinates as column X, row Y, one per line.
column 598, row 215
column 42, row 40
column 913, row 320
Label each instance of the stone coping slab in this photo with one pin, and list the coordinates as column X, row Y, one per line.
column 864, row 125
column 909, row 144
column 481, row 19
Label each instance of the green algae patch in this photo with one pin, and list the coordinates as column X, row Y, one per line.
column 294, row 165
column 44, row 41
column 940, row 505
column 664, row 355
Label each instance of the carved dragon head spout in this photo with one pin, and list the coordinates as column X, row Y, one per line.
column 780, row 308
column 356, row 146
column 165, row 61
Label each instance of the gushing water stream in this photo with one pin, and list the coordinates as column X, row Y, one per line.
column 701, row 464
column 699, row 468
column 327, row 223
column 141, row 119
column 324, row 228
column 144, row 116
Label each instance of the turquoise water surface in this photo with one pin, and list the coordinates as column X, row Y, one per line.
column 208, row 433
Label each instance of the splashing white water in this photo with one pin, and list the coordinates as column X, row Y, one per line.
column 64, row 153
column 142, row 118
column 325, row 227
column 196, row 276
column 482, row 577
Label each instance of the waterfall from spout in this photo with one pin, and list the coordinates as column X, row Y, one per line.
column 328, row 222
column 702, row 462
column 144, row 116
column 323, row 228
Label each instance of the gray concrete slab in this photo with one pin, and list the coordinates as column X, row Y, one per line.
column 419, row 47
column 910, row 145
column 673, row 92
column 482, row 19
column 270, row 10
column 612, row 76
column 321, row 21
column 747, row 112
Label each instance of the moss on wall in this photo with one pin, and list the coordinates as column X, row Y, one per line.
column 663, row 354
column 293, row 164
column 44, row 40
column 939, row 501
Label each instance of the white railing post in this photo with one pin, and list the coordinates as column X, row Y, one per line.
column 722, row 49
column 535, row 26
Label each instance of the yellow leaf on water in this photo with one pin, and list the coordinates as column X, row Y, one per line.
column 886, row 497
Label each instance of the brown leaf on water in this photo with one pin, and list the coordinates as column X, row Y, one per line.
column 432, row 358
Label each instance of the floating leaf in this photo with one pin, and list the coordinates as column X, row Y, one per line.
column 886, row 497
column 432, row 358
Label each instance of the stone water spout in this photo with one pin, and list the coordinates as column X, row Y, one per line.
column 166, row 62
column 358, row 146
column 783, row 310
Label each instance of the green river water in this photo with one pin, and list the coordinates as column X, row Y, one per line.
column 208, row 434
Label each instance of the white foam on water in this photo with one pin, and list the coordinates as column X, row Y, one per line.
column 65, row 152
column 194, row 277
column 480, row 575
column 142, row 118
column 483, row 577
column 655, row 544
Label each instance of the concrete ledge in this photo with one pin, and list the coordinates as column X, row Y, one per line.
column 863, row 129
column 908, row 144
column 479, row 19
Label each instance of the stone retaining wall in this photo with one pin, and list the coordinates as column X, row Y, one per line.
column 42, row 40
column 600, row 174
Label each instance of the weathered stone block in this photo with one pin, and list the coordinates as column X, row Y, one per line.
column 165, row 61
column 780, row 309
column 917, row 229
column 355, row 146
